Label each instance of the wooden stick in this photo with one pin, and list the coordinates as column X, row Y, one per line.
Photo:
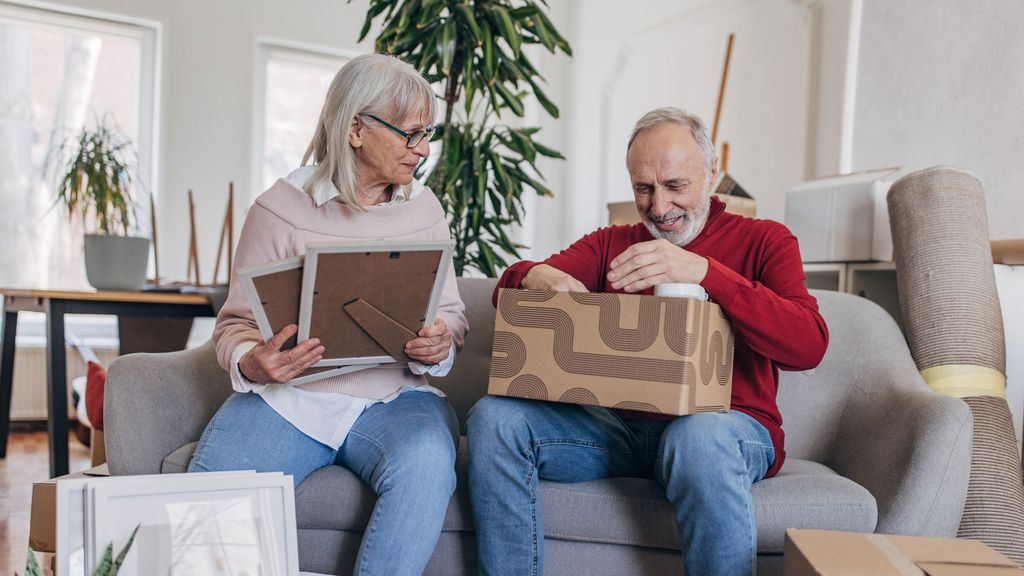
column 721, row 89
column 725, row 157
column 231, row 229
column 156, row 251
column 193, row 244
column 220, row 248
column 226, row 232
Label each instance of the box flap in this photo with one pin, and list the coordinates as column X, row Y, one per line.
column 949, row 551
column 1009, row 252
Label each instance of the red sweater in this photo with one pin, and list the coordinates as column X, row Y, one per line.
column 754, row 273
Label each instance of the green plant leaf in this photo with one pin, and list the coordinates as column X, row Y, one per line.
column 124, row 551
column 31, row 565
column 474, row 49
column 466, row 13
column 508, row 30
column 106, row 563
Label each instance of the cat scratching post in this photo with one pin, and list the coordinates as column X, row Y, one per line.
column 955, row 331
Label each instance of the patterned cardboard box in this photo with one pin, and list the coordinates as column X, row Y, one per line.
column 650, row 353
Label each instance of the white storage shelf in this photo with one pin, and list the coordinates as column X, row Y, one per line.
column 875, row 281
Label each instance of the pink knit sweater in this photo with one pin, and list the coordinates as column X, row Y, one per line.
column 279, row 225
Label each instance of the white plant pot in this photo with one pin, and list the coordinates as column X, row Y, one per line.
column 116, row 262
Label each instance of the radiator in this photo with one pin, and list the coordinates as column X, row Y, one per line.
column 28, row 400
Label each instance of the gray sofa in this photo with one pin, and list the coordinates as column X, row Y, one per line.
column 870, row 448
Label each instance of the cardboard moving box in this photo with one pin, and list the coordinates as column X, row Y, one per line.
column 826, row 553
column 650, row 353
column 42, row 533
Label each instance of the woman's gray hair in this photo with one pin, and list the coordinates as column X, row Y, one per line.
column 678, row 116
column 376, row 84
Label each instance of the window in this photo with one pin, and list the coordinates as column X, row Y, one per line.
column 61, row 72
column 291, row 83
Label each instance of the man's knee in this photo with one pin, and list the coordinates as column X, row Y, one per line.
column 494, row 417
column 700, row 444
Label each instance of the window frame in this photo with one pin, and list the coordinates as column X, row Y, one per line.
column 267, row 48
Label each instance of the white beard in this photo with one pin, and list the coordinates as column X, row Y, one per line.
column 693, row 223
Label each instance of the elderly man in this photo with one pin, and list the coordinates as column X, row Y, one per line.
column 706, row 462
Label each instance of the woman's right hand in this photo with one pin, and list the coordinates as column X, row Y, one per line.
column 266, row 363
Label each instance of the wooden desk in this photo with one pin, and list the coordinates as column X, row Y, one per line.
column 55, row 304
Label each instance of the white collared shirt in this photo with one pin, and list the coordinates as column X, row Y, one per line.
column 327, row 417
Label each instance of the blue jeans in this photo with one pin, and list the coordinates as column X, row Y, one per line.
column 706, row 463
column 405, row 451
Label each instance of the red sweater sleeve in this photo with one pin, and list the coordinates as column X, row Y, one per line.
column 775, row 316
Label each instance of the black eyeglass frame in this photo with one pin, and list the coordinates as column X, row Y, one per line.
column 412, row 139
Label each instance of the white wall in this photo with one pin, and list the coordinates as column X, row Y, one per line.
column 207, row 92
column 942, row 82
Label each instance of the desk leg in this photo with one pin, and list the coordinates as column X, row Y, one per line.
column 56, row 388
column 7, row 375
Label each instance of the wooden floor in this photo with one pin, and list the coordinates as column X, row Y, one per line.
column 27, row 461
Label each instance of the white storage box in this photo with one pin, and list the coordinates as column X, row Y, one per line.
column 843, row 218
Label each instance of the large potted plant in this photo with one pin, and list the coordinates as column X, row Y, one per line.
column 95, row 187
column 475, row 51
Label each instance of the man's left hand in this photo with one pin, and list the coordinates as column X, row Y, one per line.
column 654, row 262
column 432, row 345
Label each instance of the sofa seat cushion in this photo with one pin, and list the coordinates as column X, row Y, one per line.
column 178, row 460
column 631, row 511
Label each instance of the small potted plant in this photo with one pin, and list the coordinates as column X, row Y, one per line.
column 95, row 187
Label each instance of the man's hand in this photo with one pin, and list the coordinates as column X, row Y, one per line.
column 266, row 363
column 433, row 344
column 544, row 277
column 655, row 262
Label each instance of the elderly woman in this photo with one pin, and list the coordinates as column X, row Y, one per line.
column 385, row 424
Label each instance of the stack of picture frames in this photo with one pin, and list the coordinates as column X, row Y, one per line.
column 362, row 301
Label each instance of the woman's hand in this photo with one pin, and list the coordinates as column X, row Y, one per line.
column 433, row 344
column 266, row 363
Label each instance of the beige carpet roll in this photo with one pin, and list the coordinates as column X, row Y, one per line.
column 955, row 330
column 944, row 268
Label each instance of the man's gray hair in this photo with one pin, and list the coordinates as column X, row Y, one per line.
column 376, row 84
column 678, row 116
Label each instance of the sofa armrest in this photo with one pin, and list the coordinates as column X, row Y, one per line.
column 157, row 403
column 911, row 448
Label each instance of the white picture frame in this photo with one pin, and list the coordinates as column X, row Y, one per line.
column 316, row 250
column 240, row 518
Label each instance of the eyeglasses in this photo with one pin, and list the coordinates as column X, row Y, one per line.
column 412, row 139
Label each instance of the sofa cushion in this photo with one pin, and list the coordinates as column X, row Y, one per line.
column 178, row 460
column 630, row 511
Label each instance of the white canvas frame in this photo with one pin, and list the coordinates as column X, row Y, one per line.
column 92, row 510
column 315, row 249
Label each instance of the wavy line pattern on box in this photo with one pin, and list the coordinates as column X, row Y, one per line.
column 638, row 406
column 528, row 386
column 615, row 336
column 668, row 371
column 580, row 396
column 514, row 350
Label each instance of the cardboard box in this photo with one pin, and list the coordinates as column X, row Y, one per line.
column 650, row 353
column 42, row 533
column 826, row 553
column 843, row 218
column 1009, row 252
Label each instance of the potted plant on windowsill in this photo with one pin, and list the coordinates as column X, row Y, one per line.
column 95, row 187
